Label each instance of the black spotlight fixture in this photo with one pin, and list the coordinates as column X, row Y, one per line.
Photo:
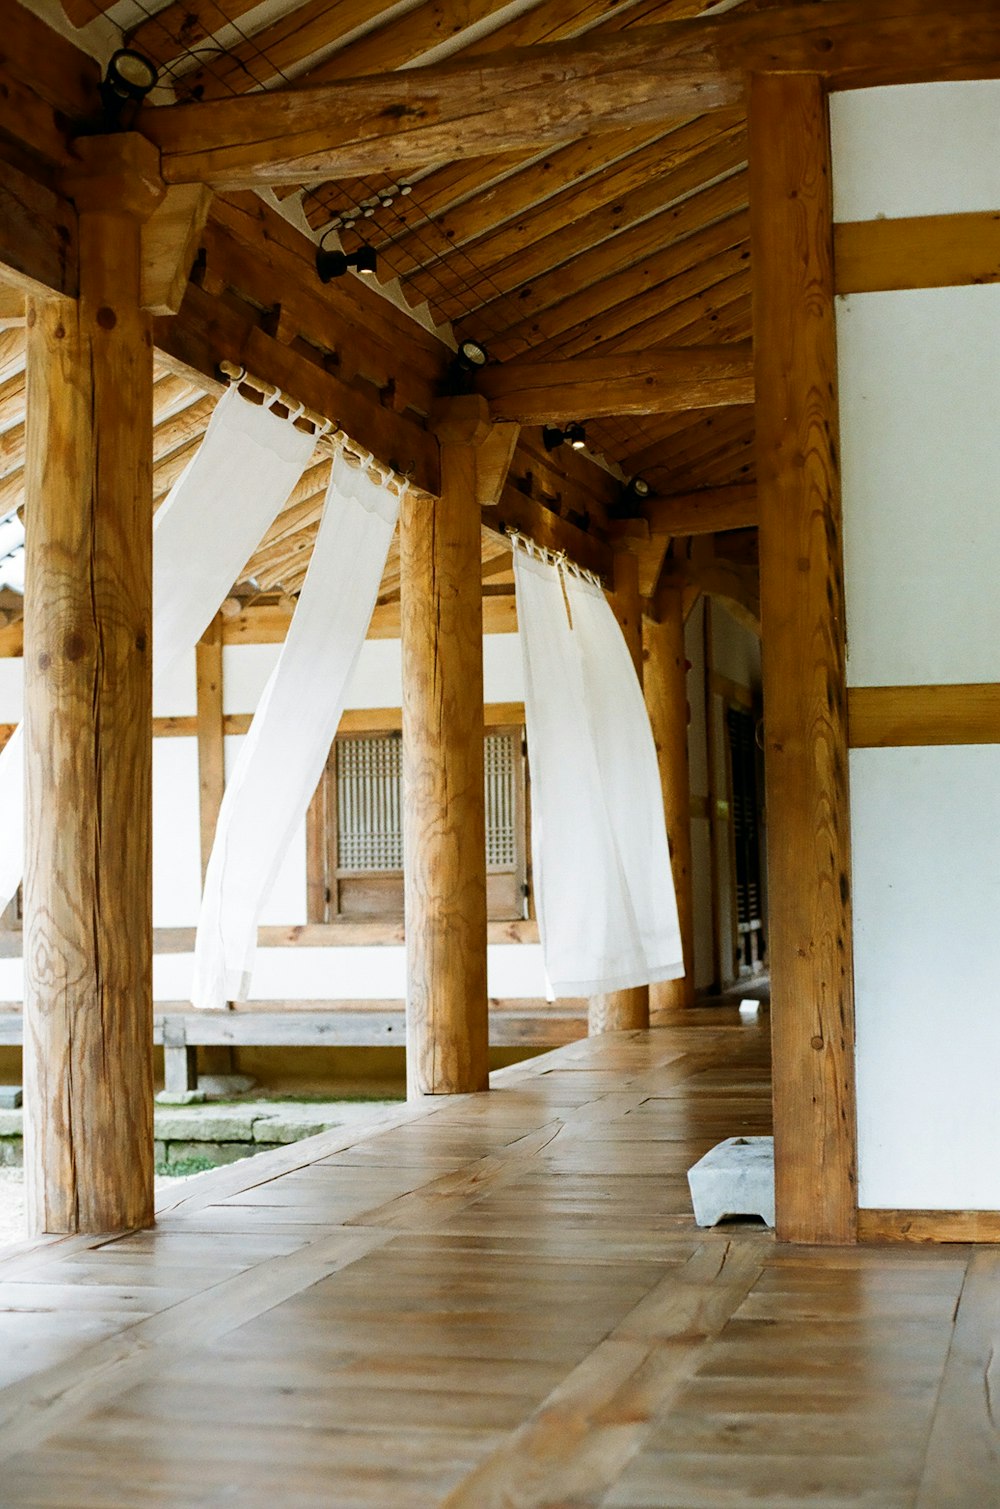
column 334, row 264
column 470, row 358
column 574, row 435
column 128, row 79
column 628, row 504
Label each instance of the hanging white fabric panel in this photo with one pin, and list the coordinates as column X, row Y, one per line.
column 604, row 890
column 282, row 757
column 204, row 533
column 214, row 516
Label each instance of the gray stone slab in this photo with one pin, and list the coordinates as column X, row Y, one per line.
column 735, row 1178
column 10, row 1097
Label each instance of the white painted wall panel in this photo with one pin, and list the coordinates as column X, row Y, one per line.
column 925, row 826
column 920, row 437
column 11, row 690
column 916, row 149
column 176, row 833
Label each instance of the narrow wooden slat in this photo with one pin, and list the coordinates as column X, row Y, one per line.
column 210, row 734
column 887, row 717
column 929, row 1226
column 809, row 868
column 927, row 251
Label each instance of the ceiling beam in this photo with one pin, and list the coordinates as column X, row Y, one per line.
column 660, row 381
column 707, row 512
column 38, row 248
column 534, row 97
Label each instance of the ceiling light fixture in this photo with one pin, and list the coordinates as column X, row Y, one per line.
column 334, row 264
column 574, row 435
column 127, row 80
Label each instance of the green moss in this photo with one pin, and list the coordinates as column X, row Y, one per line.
column 185, row 1166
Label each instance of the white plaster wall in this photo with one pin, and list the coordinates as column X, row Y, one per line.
column 925, row 826
column 736, row 650
column 920, row 441
column 916, row 149
column 11, row 690
column 920, row 428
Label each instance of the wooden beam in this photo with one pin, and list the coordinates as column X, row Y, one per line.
column 802, row 595
column 894, row 717
column 536, row 96
column 517, row 512
column 170, row 245
column 664, row 685
column 38, row 236
column 210, row 329
column 443, row 784
column 88, row 685
column 706, row 512
column 926, row 251
column 650, row 382
column 624, row 1010
column 210, row 733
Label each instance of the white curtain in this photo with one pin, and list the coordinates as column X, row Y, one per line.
column 282, row 757
column 603, row 886
column 204, row 533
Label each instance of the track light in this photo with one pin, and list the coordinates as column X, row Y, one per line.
column 574, row 435
column 128, row 79
column 638, row 490
column 334, row 264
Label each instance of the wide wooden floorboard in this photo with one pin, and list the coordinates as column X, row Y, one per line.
column 502, row 1302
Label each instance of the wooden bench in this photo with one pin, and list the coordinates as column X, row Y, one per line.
column 322, row 1024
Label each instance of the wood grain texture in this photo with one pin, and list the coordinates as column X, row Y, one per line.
column 925, row 251
column 210, row 728
column 624, row 1010
column 929, row 1225
column 500, row 1302
column 542, row 95
column 88, row 945
column 38, row 235
column 802, row 600
column 652, row 382
column 704, row 512
column 889, row 717
column 664, row 685
column 444, row 821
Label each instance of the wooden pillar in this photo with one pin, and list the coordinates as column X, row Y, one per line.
column 211, row 738
column 802, row 602
column 443, row 779
column 623, row 1010
column 664, row 684
column 88, row 719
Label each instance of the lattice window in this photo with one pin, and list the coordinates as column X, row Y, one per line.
column 501, row 802
column 369, row 803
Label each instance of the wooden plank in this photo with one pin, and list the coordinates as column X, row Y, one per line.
column 550, row 94
column 888, row 717
column 809, row 864
column 88, row 694
column 929, row 1225
column 654, row 382
column 515, row 511
column 336, row 1024
column 210, row 735
column 924, row 251
column 963, row 1453
column 38, row 236
column 664, row 685
column 443, row 791
column 706, row 511
column 170, row 244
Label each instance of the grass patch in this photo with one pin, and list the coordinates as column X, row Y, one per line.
column 185, row 1166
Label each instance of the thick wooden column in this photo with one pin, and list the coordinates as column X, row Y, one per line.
column 211, row 734
column 623, row 1010
column 664, row 684
column 443, row 778
column 802, row 602
column 87, row 926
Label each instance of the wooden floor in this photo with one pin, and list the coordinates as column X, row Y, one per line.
column 501, row 1301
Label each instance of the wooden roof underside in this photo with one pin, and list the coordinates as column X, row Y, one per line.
column 612, row 243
